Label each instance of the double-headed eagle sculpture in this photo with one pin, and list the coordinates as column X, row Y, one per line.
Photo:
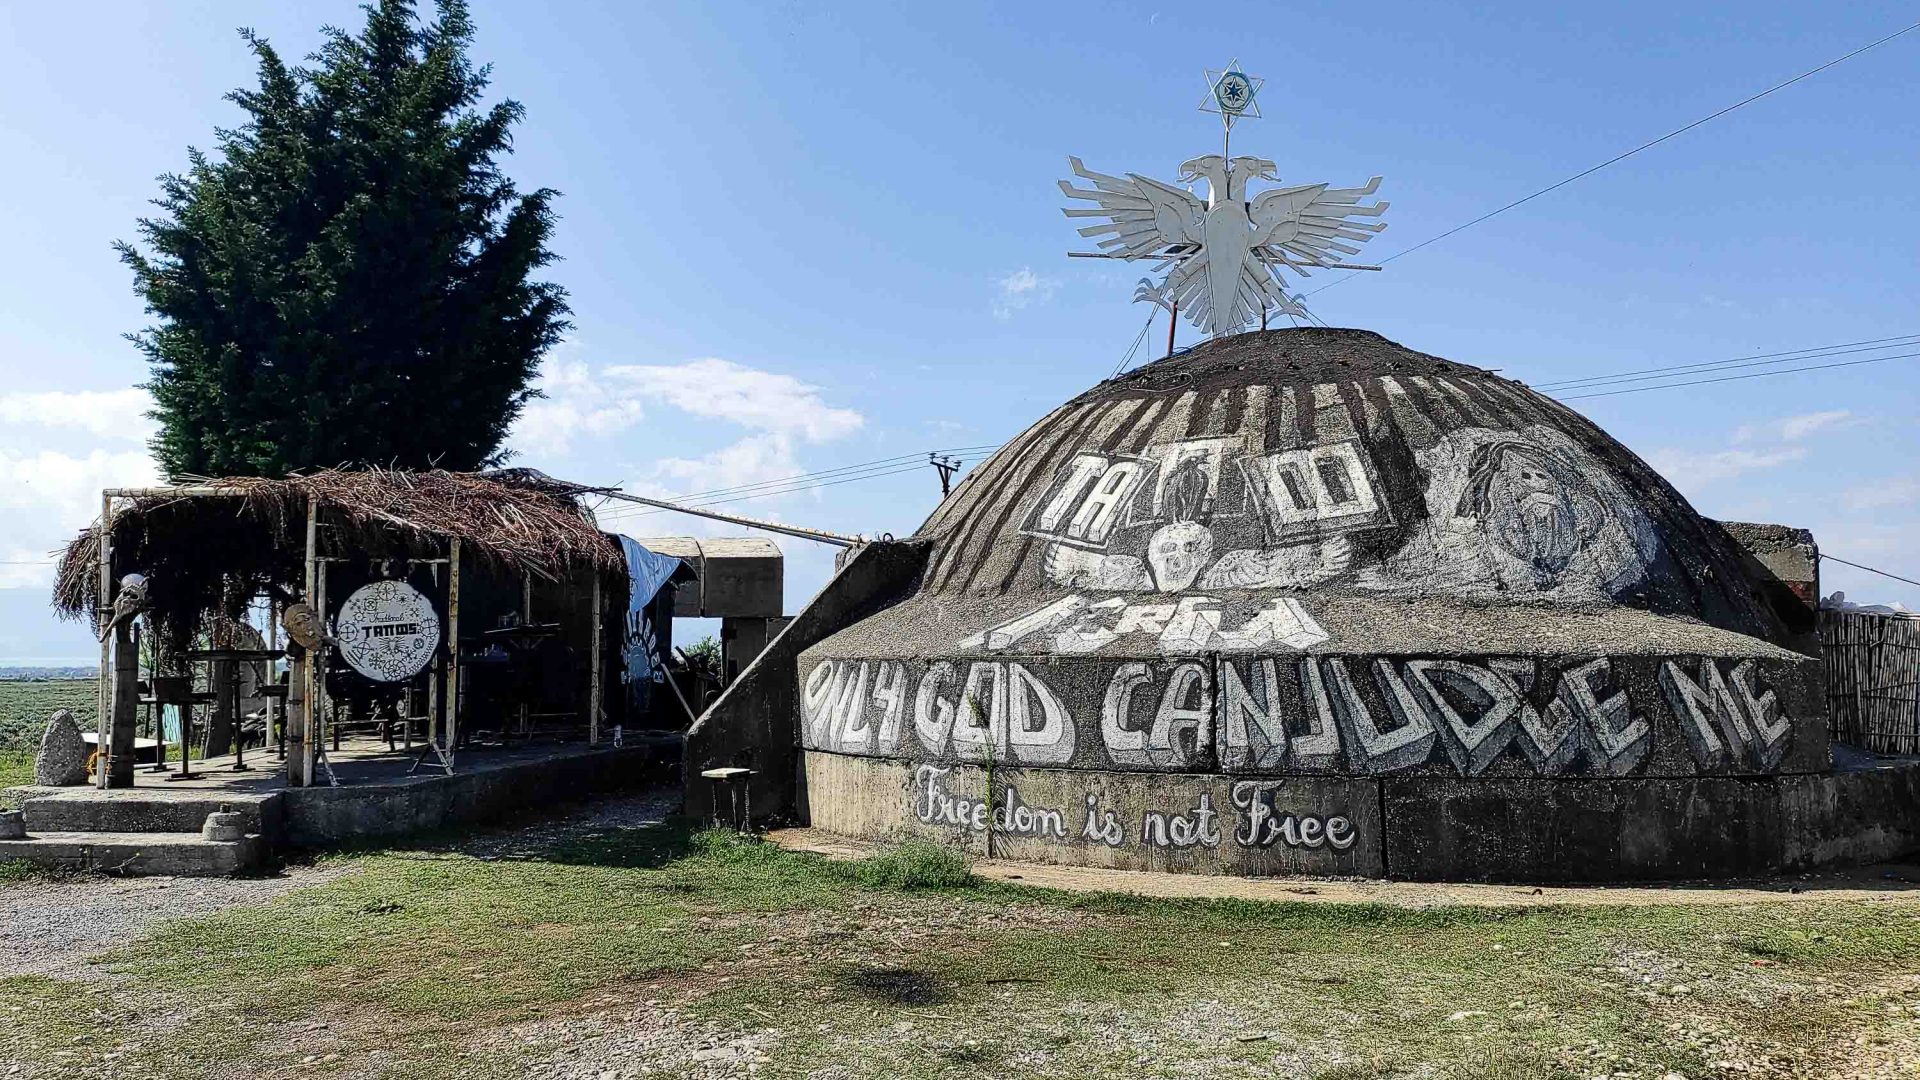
column 1224, row 257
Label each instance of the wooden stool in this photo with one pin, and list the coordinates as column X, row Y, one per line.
column 734, row 784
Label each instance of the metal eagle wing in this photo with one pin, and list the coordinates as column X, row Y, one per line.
column 1312, row 224
column 1143, row 216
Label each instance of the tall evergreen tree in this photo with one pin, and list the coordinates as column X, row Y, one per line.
column 350, row 281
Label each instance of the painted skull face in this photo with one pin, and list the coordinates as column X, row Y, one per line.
column 1177, row 553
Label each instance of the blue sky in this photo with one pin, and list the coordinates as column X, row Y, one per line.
column 804, row 236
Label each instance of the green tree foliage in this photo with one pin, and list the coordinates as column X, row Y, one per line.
column 350, row 280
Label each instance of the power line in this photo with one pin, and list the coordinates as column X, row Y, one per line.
column 1617, row 158
column 1755, row 360
column 917, row 456
column 1868, row 569
column 1737, row 378
column 872, row 474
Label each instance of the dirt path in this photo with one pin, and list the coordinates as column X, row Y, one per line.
column 1866, row 883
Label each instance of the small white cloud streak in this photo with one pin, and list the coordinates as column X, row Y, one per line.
column 582, row 402
column 1878, row 496
column 1793, row 428
column 1690, row 468
column 105, row 414
column 1021, row 289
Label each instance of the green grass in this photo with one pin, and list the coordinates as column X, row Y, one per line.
column 25, row 706
column 416, row 951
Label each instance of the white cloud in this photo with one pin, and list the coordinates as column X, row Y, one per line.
column 754, row 460
column 106, row 414
column 46, row 497
column 750, row 397
column 1793, row 428
column 1021, row 289
column 575, row 404
column 583, row 402
column 1885, row 493
column 1689, row 468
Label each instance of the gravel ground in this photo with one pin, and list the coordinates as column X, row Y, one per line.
column 55, row 927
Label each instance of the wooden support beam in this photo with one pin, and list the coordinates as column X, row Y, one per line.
column 593, row 663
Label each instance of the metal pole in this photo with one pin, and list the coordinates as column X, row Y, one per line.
column 822, row 535
column 1173, row 320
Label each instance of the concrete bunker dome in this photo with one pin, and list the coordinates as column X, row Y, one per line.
column 1310, row 601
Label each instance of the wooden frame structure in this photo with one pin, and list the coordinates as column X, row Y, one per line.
column 308, row 708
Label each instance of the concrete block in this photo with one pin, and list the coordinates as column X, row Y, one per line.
column 139, row 854
column 154, row 810
column 755, row 723
column 738, row 576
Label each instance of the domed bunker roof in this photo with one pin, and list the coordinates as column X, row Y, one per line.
column 1405, row 502
column 1309, row 554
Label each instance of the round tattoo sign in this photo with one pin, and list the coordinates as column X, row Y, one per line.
column 388, row 631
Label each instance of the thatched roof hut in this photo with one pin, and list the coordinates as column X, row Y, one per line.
column 209, row 546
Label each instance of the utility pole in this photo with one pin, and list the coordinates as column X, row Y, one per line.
column 946, row 467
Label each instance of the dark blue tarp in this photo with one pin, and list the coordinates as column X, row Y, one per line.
column 649, row 623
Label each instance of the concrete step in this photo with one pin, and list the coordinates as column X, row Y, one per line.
column 143, row 810
column 140, row 854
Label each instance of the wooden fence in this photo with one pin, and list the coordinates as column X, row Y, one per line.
column 1873, row 680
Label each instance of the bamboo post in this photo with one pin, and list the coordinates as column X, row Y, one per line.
column 102, row 721
column 453, row 650
column 300, row 765
column 593, row 665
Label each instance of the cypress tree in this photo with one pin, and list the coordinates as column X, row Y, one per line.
column 349, row 280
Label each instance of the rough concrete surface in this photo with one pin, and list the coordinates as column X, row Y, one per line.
column 755, row 723
column 1313, row 553
column 1878, row 882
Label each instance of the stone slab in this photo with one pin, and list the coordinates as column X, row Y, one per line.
column 138, row 854
column 151, row 810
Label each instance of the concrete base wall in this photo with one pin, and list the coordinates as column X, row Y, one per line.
column 1409, row 828
column 755, row 723
column 318, row 816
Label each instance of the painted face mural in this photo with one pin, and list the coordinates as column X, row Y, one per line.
column 1179, row 551
column 1527, row 513
column 1524, row 512
column 1528, row 502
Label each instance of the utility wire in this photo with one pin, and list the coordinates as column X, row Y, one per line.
column 1756, row 360
column 915, row 457
column 792, row 489
column 1868, row 569
column 1617, row 158
column 1748, row 375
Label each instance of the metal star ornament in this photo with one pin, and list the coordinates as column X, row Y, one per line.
column 1232, row 93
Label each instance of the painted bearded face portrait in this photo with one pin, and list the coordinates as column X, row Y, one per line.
column 1532, row 504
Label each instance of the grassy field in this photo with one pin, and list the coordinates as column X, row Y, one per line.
column 25, row 706
column 671, row 953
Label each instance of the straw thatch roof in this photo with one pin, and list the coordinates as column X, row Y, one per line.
column 208, row 547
